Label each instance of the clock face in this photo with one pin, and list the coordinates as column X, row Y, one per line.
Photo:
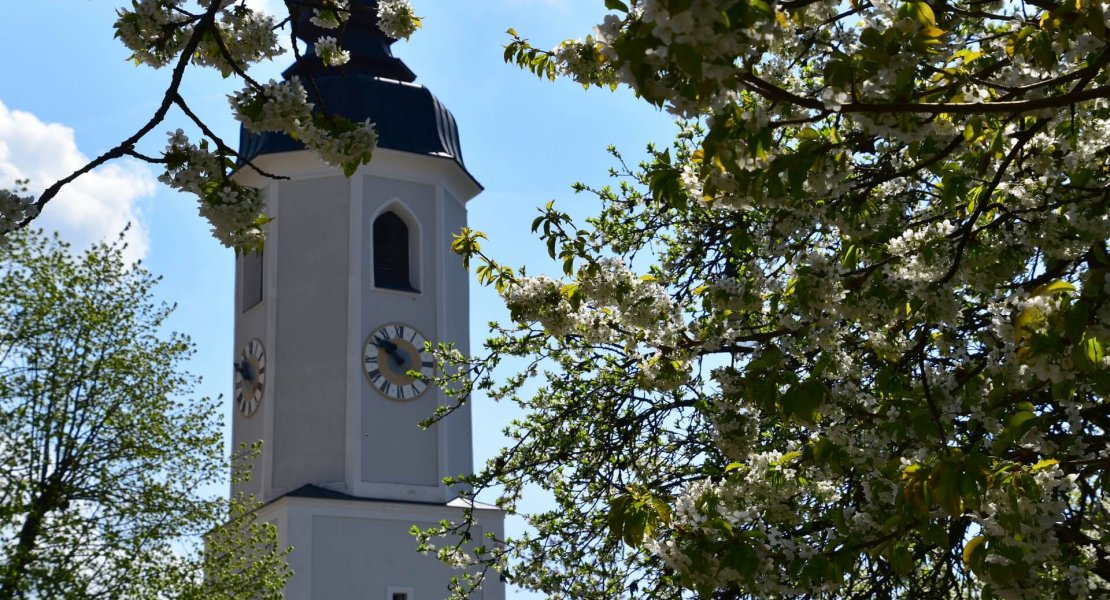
column 250, row 378
column 390, row 353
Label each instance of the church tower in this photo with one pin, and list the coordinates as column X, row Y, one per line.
column 332, row 316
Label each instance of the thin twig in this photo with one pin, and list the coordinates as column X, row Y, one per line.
column 206, row 21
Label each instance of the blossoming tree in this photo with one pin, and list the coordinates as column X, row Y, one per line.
column 227, row 35
column 845, row 338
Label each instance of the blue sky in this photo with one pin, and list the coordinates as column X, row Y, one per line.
column 67, row 93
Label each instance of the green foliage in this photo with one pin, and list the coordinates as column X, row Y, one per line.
column 102, row 452
column 522, row 54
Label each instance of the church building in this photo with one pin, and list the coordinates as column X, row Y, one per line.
column 357, row 273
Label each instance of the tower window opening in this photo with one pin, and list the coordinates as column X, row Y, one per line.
column 399, row 593
column 391, row 253
column 251, row 283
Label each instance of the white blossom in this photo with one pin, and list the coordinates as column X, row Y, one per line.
column 397, row 19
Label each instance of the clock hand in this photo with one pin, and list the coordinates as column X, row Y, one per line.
column 243, row 367
column 400, row 357
column 391, row 349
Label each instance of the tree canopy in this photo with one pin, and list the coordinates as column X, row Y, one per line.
column 845, row 336
column 103, row 454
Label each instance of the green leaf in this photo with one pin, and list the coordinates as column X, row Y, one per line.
column 1063, row 390
column 1075, row 320
column 849, row 259
column 1056, row 287
column 741, row 557
column 901, row 559
column 1016, row 427
column 1093, row 350
column 838, row 72
column 688, row 59
column 803, row 400
column 944, row 487
column 971, row 132
column 635, row 527
column 1023, row 420
column 809, row 133
column 617, row 507
column 975, row 552
column 616, row 5
column 823, row 449
column 974, row 197
column 1044, row 464
column 923, row 13
column 786, row 458
column 1027, row 322
column 871, row 37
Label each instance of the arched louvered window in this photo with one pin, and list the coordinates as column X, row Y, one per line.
column 250, row 287
column 391, row 253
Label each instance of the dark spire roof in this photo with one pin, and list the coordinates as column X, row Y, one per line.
column 373, row 85
column 360, row 35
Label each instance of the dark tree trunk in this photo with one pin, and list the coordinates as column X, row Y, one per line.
column 12, row 578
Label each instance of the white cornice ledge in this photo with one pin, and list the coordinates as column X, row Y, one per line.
column 303, row 164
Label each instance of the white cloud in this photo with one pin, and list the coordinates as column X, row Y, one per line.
column 94, row 207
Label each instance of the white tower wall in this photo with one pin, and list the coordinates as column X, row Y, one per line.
column 344, row 471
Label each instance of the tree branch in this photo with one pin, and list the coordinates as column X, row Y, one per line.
column 778, row 94
column 124, row 148
column 180, row 102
